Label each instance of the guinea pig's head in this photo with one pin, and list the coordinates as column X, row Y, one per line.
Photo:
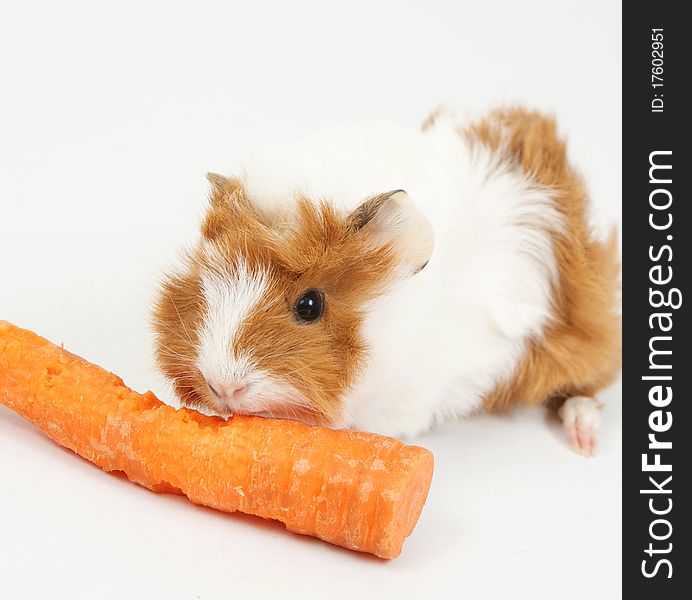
column 265, row 316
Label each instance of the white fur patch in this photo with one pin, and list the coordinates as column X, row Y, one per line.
column 231, row 296
column 581, row 421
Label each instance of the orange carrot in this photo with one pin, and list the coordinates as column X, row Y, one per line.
column 358, row 490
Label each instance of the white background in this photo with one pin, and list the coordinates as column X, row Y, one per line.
column 110, row 113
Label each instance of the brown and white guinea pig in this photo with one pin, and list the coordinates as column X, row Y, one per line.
column 387, row 279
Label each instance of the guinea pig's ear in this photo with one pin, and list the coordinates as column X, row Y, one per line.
column 223, row 188
column 392, row 218
column 226, row 199
column 217, row 182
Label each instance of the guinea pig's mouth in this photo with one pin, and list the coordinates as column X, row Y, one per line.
column 277, row 410
column 259, row 397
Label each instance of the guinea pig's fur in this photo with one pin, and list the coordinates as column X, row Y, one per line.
column 479, row 286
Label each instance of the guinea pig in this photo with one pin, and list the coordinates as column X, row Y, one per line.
column 387, row 279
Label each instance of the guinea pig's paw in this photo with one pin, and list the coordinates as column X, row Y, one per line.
column 581, row 421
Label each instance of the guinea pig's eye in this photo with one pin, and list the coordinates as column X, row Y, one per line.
column 309, row 307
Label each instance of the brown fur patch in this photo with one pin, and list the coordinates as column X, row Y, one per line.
column 318, row 249
column 580, row 352
column 177, row 319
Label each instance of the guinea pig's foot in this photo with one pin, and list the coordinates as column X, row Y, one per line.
column 581, row 421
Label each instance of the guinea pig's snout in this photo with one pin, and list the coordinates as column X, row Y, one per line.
column 228, row 391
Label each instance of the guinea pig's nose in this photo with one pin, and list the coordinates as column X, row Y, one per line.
column 228, row 390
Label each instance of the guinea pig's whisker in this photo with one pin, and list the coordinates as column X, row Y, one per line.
column 177, row 357
column 180, row 318
column 170, row 353
column 168, row 350
column 176, row 333
column 279, row 354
